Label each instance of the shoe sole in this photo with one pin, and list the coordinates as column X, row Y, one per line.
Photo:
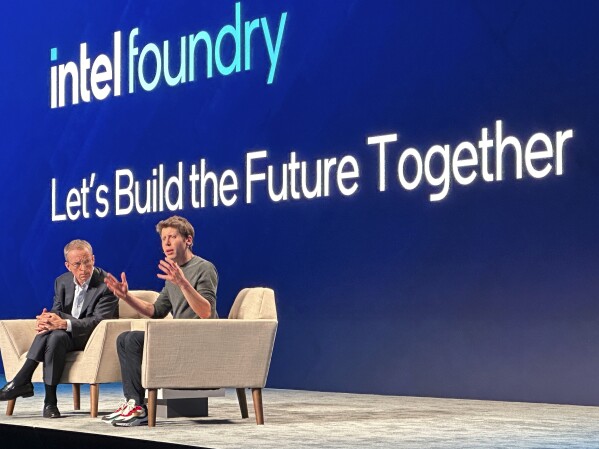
column 108, row 421
column 132, row 424
column 128, row 422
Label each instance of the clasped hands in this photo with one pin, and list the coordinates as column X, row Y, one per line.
column 48, row 321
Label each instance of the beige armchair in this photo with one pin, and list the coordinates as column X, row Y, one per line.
column 97, row 363
column 209, row 354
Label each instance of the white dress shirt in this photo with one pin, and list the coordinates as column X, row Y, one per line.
column 77, row 301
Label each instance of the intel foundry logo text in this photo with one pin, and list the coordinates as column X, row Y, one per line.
column 95, row 78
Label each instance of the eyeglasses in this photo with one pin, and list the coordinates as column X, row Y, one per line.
column 84, row 263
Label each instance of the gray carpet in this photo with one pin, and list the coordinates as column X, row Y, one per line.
column 308, row 419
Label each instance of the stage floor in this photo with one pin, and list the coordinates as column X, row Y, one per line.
column 309, row 419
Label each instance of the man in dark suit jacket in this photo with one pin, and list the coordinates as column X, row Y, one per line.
column 81, row 301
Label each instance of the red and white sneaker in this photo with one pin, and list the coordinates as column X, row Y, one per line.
column 123, row 405
column 134, row 415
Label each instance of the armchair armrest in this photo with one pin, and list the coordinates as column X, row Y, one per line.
column 207, row 353
column 139, row 324
column 15, row 338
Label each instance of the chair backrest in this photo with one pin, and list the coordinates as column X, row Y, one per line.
column 256, row 303
column 126, row 311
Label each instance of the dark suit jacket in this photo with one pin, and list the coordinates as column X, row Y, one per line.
column 99, row 304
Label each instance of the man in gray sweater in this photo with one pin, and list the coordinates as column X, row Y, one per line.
column 189, row 292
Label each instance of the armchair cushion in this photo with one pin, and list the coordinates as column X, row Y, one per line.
column 256, row 303
column 126, row 311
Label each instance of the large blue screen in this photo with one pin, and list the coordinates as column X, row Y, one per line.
column 416, row 180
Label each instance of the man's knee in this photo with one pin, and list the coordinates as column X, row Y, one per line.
column 121, row 340
column 136, row 339
column 130, row 341
column 57, row 338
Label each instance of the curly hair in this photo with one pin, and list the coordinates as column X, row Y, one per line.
column 180, row 224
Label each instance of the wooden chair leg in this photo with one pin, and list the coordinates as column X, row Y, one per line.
column 243, row 403
column 257, row 397
column 94, row 396
column 10, row 407
column 77, row 396
column 152, row 400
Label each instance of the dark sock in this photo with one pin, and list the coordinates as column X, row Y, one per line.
column 25, row 373
column 50, row 395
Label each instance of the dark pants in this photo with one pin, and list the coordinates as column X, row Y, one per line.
column 51, row 348
column 129, row 346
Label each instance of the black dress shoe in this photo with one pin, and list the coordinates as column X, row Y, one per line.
column 10, row 391
column 51, row 411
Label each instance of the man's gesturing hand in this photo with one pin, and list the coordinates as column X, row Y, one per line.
column 120, row 289
column 172, row 272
